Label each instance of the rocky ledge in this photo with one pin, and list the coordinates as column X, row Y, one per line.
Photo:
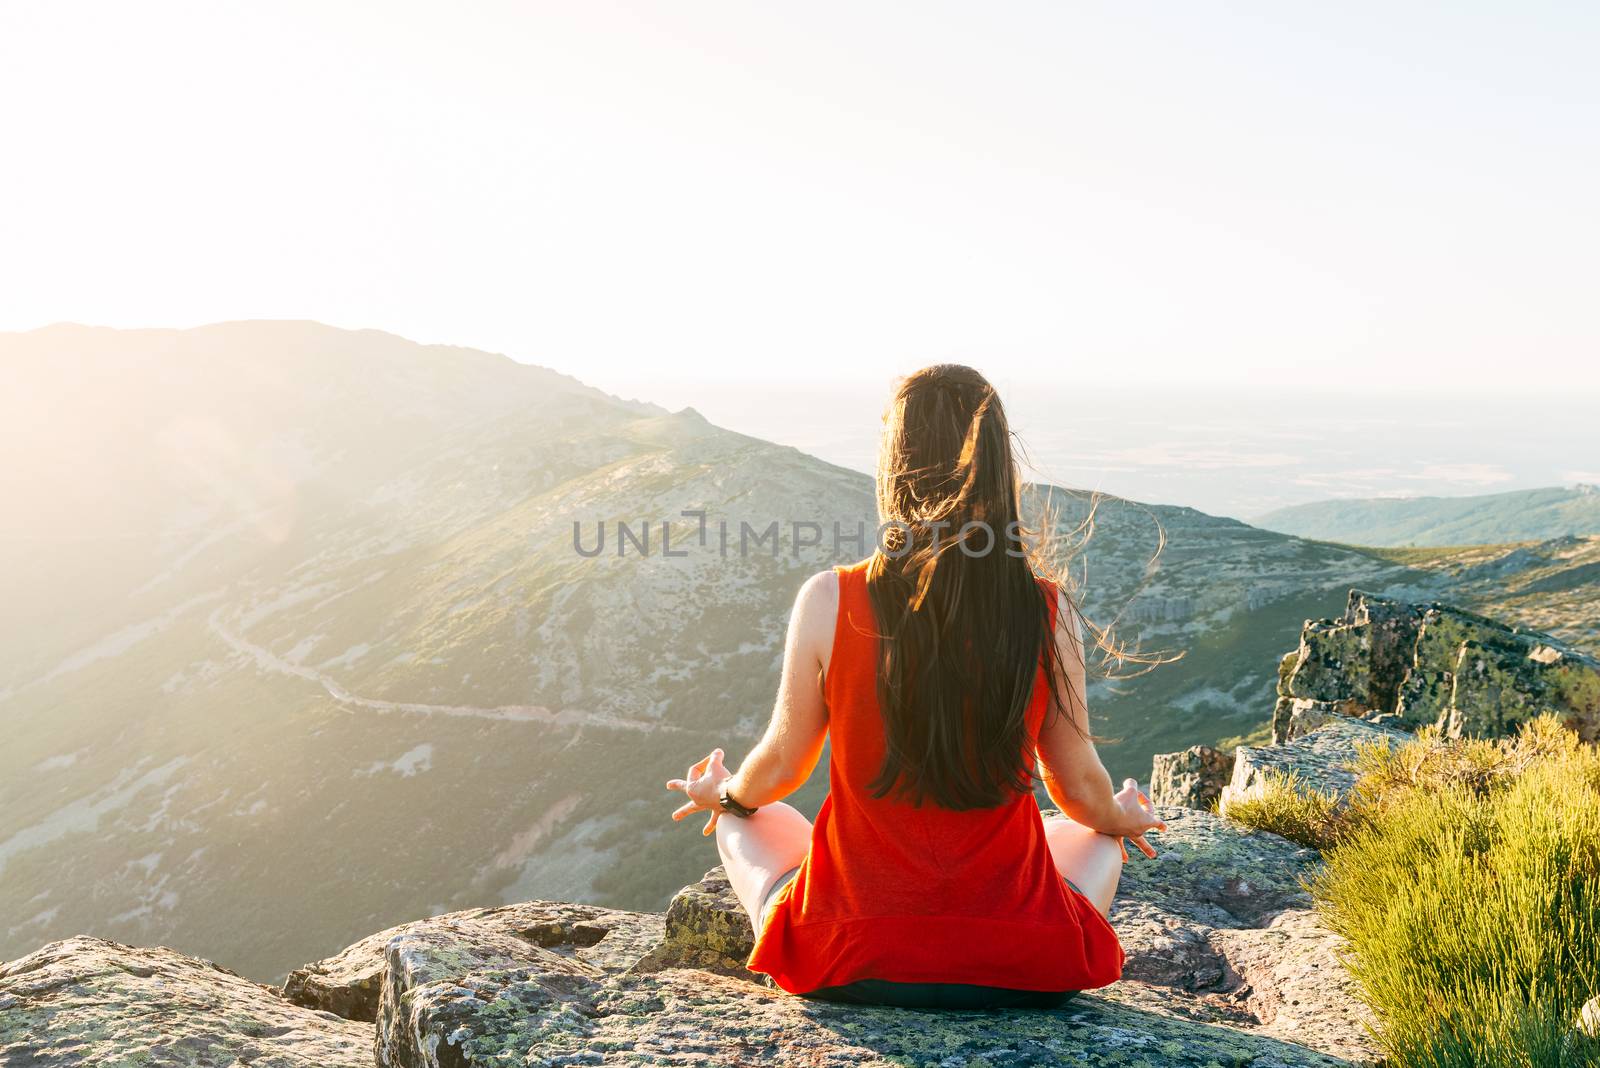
column 1227, row 965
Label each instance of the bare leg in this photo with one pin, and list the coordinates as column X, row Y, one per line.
column 757, row 849
column 1093, row 861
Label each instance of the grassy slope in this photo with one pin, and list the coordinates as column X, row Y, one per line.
column 1553, row 586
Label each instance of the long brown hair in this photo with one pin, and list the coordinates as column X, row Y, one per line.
column 963, row 621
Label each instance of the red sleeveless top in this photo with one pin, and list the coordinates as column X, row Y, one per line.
column 922, row 894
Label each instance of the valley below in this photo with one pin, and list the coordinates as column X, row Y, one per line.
column 296, row 642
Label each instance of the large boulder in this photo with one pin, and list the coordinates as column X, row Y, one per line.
column 86, row 1001
column 349, row 982
column 1415, row 665
column 1227, row 965
column 1193, row 778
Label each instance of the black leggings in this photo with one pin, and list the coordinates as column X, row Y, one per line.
column 939, row 995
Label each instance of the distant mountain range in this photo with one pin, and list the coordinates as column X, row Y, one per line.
column 295, row 639
column 1489, row 519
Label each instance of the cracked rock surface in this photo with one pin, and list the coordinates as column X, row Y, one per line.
column 350, row 982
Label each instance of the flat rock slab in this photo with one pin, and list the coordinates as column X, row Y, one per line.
column 680, row 1016
column 1319, row 760
column 1227, row 966
column 1211, row 869
column 690, row 1017
column 86, row 1001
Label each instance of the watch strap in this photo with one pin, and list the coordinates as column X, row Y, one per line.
column 730, row 803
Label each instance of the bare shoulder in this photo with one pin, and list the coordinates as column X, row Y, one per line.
column 815, row 609
column 819, row 595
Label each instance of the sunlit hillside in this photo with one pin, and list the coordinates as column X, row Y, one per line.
column 1546, row 585
column 296, row 641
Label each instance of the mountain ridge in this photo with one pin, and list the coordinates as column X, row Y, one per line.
column 291, row 600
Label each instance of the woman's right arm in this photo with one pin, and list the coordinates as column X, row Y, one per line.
column 784, row 758
column 1073, row 775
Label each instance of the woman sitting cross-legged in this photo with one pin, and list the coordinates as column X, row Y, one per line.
column 947, row 674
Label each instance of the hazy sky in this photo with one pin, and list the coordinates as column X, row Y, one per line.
column 1393, row 194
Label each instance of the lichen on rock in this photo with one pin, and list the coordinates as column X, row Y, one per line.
column 706, row 927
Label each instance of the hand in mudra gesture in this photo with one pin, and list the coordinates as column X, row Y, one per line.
column 701, row 784
column 1140, row 817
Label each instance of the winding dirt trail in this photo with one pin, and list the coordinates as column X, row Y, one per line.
column 270, row 661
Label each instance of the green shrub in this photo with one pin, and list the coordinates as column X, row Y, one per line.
column 1280, row 804
column 1387, row 774
column 1466, row 877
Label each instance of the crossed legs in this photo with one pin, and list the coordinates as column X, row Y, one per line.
column 1090, row 860
column 758, row 849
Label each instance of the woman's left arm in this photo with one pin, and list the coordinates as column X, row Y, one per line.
column 787, row 753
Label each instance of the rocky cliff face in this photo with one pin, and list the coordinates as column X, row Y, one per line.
column 1379, row 672
column 1414, row 665
column 1227, row 965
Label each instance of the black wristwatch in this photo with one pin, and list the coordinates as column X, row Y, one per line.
column 730, row 803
